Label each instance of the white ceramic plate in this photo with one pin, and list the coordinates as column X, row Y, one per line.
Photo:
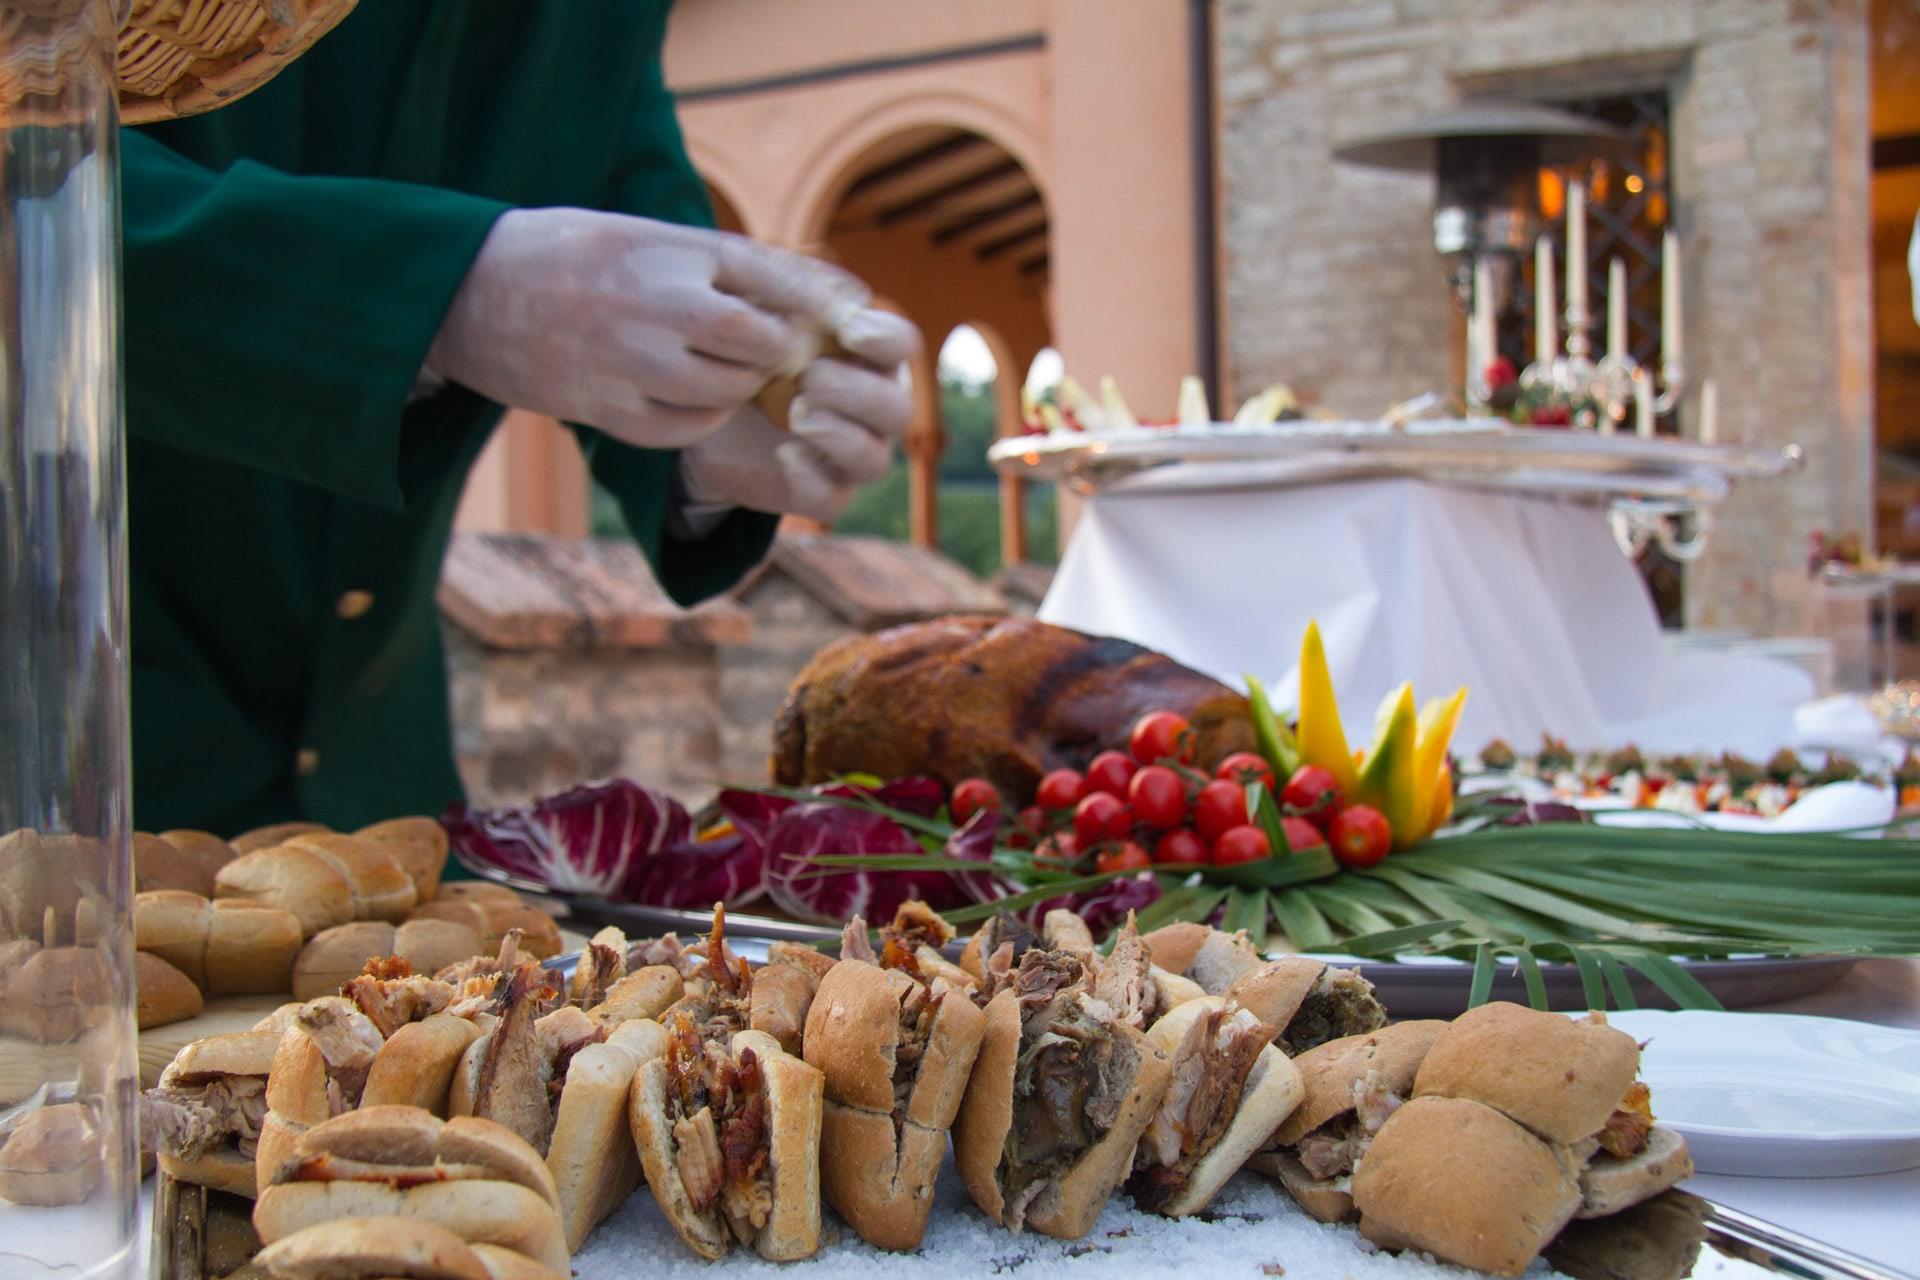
column 1784, row 1096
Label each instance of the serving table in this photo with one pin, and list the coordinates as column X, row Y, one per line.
column 1458, row 552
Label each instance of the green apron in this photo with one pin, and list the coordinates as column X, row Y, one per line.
column 288, row 261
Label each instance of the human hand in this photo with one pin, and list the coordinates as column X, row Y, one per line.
column 844, row 423
column 654, row 333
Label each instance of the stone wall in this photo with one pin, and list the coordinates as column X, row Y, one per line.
column 1331, row 282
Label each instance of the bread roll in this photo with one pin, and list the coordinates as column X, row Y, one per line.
column 419, row 845
column 56, row 994
column 491, row 910
column 268, row 836
column 301, row 881
column 334, row 955
column 391, row 1246
column 162, row 994
column 50, row 1155
column 224, row 948
column 379, row 885
column 178, row 860
column 1561, row 1077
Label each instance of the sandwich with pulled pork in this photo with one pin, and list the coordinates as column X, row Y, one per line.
column 204, row 1116
column 470, row 1176
column 1519, row 1122
column 895, row 1046
column 320, row 1070
column 728, row 1132
column 1060, row 1096
column 1308, row 1002
column 1351, row 1085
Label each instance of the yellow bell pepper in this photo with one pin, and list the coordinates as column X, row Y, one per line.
column 1388, row 780
column 1438, row 720
column 1322, row 739
column 1442, row 800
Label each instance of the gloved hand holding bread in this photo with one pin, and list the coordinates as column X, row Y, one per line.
column 491, row 1114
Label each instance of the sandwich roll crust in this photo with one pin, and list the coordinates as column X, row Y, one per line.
column 293, row 878
column 1465, row 1183
column 881, row 1181
column 334, row 956
column 50, row 1155
column 1308, row 1002
column 163, row 994
column 1560, row 1077
column 321, row 1063
column 235, row 948
column 418, row 844
column 594, row 1163
column 644, row 994
column 363, row 1247
column 415, row 1066
column 478, row 1211
column 505, row 1264
column 268, row 836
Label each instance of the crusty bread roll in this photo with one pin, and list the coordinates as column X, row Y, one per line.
column 233, row 1064
column 355, row 1247
column 468, row 1175
column 379, row 886
column 1307, row 1002
column 56, row 994
column 491, row 910
column 178, row 860
column 1203, row 954
column 594, row 1162
column 1609, row 1185
column 41, row 874
column 415, row 1066
column 162, row 994
column 505, row 1264
column 1391, row 1056
column 1464, row 1183
column 645, row 993
column 1561, row 1077
column 322, row 1061
column 324, row 878
column 268, row 836
column 334, row 955
column 227, row 948
column 778, row 1004
column 419, row 845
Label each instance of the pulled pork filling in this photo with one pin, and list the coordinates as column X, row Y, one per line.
column 1625, row 1133
column 1340, row 1004
column 348, row 1044
column 720, row 999
column 717, row 1107
column 565, row 1032
column 1124, row 980
column 599, row 967
column 1042, row 976
column 480, row 966
column 855, row 944
column 187, row 1121
column 1210, row 1070
column 392, row 1000
column 663, row 950
column 515, row 1069
column 1070, row 1082
column 917, row 925
column 917, row 1012
column 1334, row 1149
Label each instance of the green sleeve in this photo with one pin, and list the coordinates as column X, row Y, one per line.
column 279, row 322
column 656, row 180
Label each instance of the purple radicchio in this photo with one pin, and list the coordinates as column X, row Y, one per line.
column 613, row 839
column 1104, row 907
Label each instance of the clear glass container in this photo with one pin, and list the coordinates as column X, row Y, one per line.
column 69, row 1178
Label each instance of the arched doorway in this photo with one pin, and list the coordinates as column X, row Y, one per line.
column 953, row 230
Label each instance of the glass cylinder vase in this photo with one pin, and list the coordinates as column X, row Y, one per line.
column 69, row 1177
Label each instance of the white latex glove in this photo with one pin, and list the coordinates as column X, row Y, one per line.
column 654, row 333
column 845, row 421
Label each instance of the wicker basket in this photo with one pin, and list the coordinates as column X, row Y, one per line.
column 179, row 57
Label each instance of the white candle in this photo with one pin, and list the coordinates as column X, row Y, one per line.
column 1617, row 309
column 1643, row 405
column 1576, row 249
column 1484, row 339
column 1546, row 327
column 1670, row 301
column 1709, row 412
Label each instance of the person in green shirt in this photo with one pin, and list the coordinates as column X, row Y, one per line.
column 334, row 287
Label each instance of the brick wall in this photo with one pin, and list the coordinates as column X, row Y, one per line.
column 1331, row 282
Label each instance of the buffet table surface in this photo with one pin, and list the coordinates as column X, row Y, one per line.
column 1870, row 1216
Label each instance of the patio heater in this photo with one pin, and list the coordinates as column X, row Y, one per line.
column 1486, row 155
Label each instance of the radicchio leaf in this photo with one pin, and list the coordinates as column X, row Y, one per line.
column 698, row 873
column 974, row 842
column 807, row 831
column 596, row 839
column 1103, row 908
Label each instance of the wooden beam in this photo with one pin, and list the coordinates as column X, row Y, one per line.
column 1897, row 151
column 1034, row 266
column 982, row 219
column 881, row 176
column 1012, row 240
column 942, row 194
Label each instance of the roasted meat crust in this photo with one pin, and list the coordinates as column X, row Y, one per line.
column 1001, row 698
column 515, row 1071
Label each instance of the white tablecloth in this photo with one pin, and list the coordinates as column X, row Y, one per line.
column 1528, row 601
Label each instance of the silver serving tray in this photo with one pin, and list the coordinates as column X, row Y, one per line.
column 1668, row 472
column 1419, row 987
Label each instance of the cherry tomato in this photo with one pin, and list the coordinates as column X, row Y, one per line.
column 1110, row 772
column 1060, row 789
column 1240, row 844
column 1120, row 825
column 1245, row 768
column 1126, row 856
column 970, row 796
column 1095, row 815
column 1301, row 834
column 1183, row 846
column 1360, row 836
column 1060, row 850
column 1161, row 735
column 1033, row 820
column 1219, row 805
column 1314, row 792
column 1159, row 797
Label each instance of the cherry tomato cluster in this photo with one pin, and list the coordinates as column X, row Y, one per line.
column 1148, row 807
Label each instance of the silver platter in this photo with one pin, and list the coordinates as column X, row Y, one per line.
column 1475, row 452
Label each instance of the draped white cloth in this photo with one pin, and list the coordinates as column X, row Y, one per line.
column 1527, row 601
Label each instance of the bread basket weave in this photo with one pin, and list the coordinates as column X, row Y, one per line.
column 174, row 57
column 178, row 57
